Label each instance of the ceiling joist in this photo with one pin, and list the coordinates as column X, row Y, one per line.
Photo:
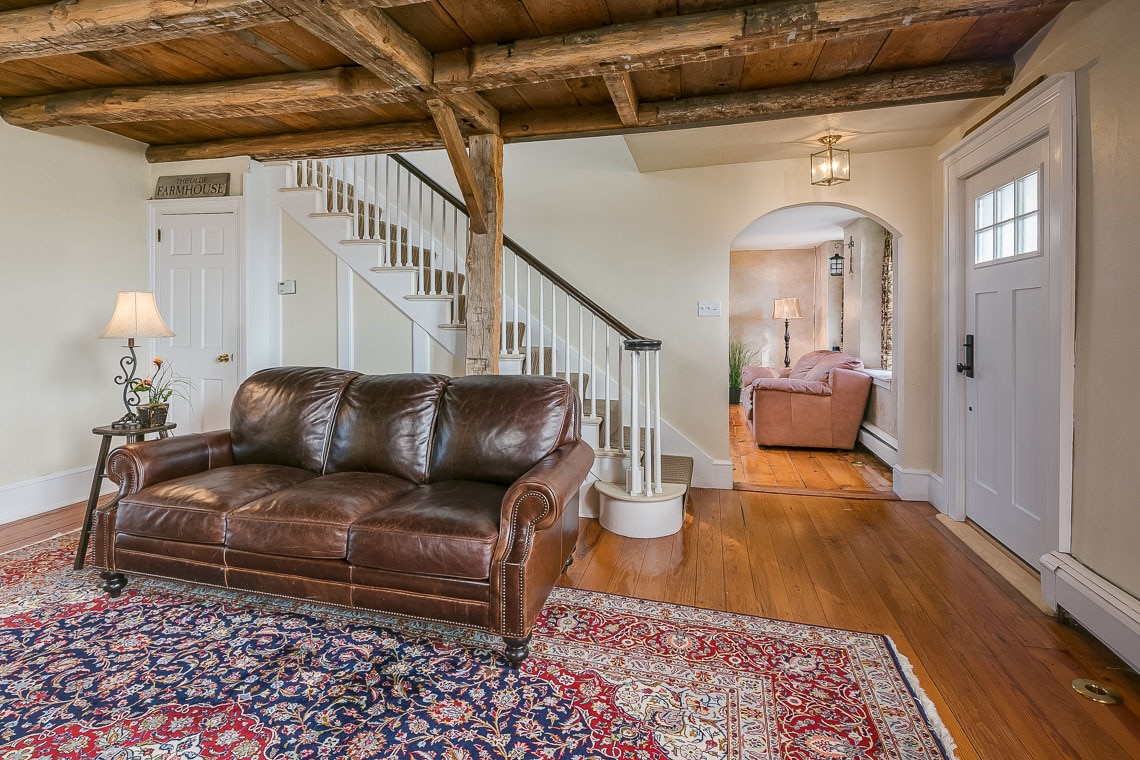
column 75, row 26
column 853, row 94
column 676, row 40
column 344, row 87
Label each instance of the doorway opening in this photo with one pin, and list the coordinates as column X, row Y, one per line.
column 812, row 299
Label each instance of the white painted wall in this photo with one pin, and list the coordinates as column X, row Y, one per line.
column 72, row 233
column 1096, row 39
column 648, row 246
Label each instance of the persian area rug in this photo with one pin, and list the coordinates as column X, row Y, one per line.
column 176, row 672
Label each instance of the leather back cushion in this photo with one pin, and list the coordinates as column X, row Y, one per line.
column 384, row 424
column 832, row 360
column 493, row 428
column 283, row 415
column 806, row 363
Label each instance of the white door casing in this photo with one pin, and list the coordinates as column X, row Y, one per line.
column 1045, row 115
column 195, row 267
column 1005, row 271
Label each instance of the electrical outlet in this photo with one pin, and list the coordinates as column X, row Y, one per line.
column 287, row 288
column 708, row 308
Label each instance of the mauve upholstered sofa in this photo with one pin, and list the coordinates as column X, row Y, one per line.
column 443, row 499
column 818, row 403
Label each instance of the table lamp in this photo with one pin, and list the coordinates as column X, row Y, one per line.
column 136, row 316
column 786, row 309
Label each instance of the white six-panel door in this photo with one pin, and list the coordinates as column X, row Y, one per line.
column 196, row 287
column 1007, row 312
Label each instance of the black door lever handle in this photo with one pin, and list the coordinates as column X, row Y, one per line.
column 967, row 368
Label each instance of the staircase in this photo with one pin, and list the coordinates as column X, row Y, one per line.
column 406, row 236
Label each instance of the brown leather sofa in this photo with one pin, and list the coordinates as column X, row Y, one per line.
column 443, row 499
column 818, row 403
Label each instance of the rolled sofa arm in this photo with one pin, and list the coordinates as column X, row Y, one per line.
column 537, row 498
column 138, row 465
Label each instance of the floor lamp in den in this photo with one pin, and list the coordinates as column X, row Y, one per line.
column 786, row 309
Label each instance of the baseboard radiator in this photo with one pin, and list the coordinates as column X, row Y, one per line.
column 1100, row 606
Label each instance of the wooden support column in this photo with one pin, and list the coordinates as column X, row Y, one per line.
column 485, row 259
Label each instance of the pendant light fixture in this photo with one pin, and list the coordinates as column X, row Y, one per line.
column 831, row 165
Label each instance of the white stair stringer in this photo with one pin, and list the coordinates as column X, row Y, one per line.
column 304, row 205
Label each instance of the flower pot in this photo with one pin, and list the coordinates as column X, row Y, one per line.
column 152, row 415
column 733, row 395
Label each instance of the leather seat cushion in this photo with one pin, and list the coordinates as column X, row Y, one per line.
column 194, row 508
column 447, row 529
column 312, row 518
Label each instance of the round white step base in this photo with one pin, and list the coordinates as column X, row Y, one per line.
column 652, row 516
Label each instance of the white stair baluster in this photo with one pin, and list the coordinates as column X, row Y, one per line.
column 581, row 350
column 529, row 360
column 657, row 414
column 594, row 365
column 566, row 338
column 541, row 323
column 620, row 390
column 650, row 444
column 634, row 429
column 516, row 260
column 608, row 376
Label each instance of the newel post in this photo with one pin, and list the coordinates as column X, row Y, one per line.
column 485, row 258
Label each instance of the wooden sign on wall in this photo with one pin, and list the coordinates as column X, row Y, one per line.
column 193, row 186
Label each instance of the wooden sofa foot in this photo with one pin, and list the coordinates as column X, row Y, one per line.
column 516, row 651
column 113, row 583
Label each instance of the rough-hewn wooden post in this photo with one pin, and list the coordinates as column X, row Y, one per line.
column 485, row 259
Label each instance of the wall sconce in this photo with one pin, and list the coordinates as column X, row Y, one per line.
column 836, row 261
column 831, row 165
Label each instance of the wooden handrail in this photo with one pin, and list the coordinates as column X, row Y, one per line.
column 529, row 258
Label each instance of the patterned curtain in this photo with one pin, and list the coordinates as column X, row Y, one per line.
column 886, row 331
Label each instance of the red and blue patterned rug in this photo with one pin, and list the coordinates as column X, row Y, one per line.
column 175, row 672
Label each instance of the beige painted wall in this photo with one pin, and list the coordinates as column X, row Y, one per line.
column 1097, row 40
column 308, row 318
column 757, row 278
column 382, row 335
column 648, row 246
column 72, row 233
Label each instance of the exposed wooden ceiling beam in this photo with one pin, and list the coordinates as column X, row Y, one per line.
column 365, row 34
column 671, row 41
column 344, row 87
column 624, row 97
column 934, row 83
column 382, row 138
column 74, row 26
column 448, row 128
column 954, row 81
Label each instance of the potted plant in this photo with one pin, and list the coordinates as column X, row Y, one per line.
column 740, row 355
column 157, row 388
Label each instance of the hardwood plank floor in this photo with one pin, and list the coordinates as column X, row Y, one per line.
column 996, row 667
column 804, row 472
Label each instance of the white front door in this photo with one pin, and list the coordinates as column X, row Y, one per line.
column 196, row 287
column 1006, row 275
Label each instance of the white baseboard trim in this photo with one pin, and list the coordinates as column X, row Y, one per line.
column 1100, row 606
column 919, row 485
column 707, row 472
column 38, row 495
column 881, row 443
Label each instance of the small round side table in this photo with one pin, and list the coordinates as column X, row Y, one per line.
column 133, row 435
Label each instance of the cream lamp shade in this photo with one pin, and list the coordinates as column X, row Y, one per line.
column 786, row 308
column 136, row 316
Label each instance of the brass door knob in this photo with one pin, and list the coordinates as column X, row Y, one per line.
column 222, row 359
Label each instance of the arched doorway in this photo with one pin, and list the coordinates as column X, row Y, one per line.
column 832, row 270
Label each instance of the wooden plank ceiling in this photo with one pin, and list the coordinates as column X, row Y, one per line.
column 288, row 78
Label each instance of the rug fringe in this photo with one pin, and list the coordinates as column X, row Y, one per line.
column 929, row 710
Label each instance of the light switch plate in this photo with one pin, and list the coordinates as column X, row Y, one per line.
column 287, row 288
column 708, row 308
